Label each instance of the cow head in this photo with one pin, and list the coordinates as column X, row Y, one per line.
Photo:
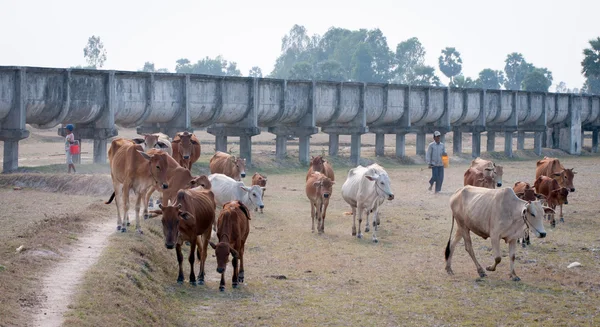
column 255, row 194
column 382, row 184
column 560, row 195
column 533, row 216
column 240, row 165
column 222, row 251
column 565, row 178
column 324, row 187
column 158, row 162
column 317, row 163
column 174, row 220
column 486, row 181
column 186, row 144
column 528, row 193
column 203, row 181
column 498, row 172
column 259, row 179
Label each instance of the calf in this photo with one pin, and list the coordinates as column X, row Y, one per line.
column 186, row 149
column 554, row 193
column 318, row 164
column 260, row 180
column 233, row 228
column 478, row 178
column 318, row 190
column 226, row 164
column 189, row 220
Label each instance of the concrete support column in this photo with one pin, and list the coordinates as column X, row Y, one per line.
column 595, row 141
column 545, row 139
column 281, row 146
column 11, row 156
column 246, row 148
column 379, row 144
column 476, row 148
column 355, row 148
column 400, row 145
column 537, row 142
column 221, row 143
column 334, row 144
column 491, row 142
column 508, row 144
column 582, row 138
column 457, row 142
column 520, row 140
column 304, row 150
column 421, row 143
column 100, row 151
column 555, row 137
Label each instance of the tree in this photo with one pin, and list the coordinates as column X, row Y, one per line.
column 410, row 54
column 330, row 70
column 490, row 79
column 255, row 72
column 591, row 86
column 591, row 61
column 381, row 56
column 537, row 80
column 297, row 46
column 362, row 67
column 425, row 75
column 516, row 69
column 450, row 62
column 148, row 67
column 301, row 70
column 183, row 66
column 208, row 66
column 462, row 81
column 562, row 88
column 94, row 52
column 231, row 69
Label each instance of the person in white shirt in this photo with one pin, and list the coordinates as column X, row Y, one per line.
column 69, row 139
column 433, row 157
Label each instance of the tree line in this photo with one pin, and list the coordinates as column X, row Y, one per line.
column 363, row 55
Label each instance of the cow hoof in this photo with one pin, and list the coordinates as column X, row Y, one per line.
column 200, row 282
column 562, row 220
column 180, row 282
column 367, row 229
column 222, row 288
column 128, row 224
column 353, row 233
column 141, row 232
column 119, row 227
column 516, row 279
column 375, row 240
column 146, row 216
column 359, row 235
column 193, row 283
column 234, row 285
column 449, row 271
column 482, row 274
column 523, row 245
column 123, row 230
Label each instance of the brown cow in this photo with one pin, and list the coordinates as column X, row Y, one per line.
column 260, row 180
column 133, row 169
column 496, row 172
column 552, row 167
column 186, row 149
column 189, row 220
column 321, row 165
column 478, row 178
column 318, row 190
column 233, row 228
column 226, row 164
column 554, row 193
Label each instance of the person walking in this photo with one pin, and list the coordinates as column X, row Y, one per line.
column 69, row 139
column 433, row 157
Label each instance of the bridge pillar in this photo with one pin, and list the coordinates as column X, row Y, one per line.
column 302, row 132
column 570, row 136
column 595, row 140
column 355, row 148
column 456, row 142
column 12, row 127
column 221, row 143
column 304, row 149
column 537, row 142
column 334, row 144
column 491, row 141
column 400, row 145
column 476, row 144
column 421, row 143
column 508, row 144
column 246, row 148
column 379, row 144
column 520, row 140
column 281, row 146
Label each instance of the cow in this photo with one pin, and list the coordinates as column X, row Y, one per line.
column 478, row 178
column 318, row 190
column 552, row 167
column 224, row 163
column 321, row 165
column 189, row 220
column 233, row 228
column 365, row 189
column 227, row 189
column 497, row 171
column 133, row 169
column 186, row 149
column 260, row 180
column 524, row 191
column 155, row 141
column 494, row 213
column 555, row 194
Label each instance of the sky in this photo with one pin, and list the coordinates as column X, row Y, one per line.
column 44, row 33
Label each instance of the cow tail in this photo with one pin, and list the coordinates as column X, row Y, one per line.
column 449, row 239
column 111, row 198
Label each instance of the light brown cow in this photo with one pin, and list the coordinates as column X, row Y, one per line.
column 233, row 228
column 496, row 172
column 226, row 164
column 318, row 190
column 552, row 167
column 186, row 149
column 321, row 165
column 260, row 180
column 189, row 220
column 133, row 169
column 494, row 213
column 554, row 193
column 478, row 178
column 155, row 141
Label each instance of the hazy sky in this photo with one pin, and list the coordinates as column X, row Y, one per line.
column 47, row 33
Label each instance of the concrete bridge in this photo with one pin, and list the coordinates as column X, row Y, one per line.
column 97, row 100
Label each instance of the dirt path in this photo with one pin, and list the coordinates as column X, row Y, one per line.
column 62, row 281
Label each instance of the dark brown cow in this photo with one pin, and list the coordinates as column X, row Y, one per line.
column 233, row 228
column 260, row 180
column 186, row 149
column 133, row 169
column 226, row 164
column 318, row 190
column 321, row 165
column 189, row 220
column 554, row 193
column 552, row 167
column 478, row 178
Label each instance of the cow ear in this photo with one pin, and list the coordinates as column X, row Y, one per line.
column 371, row 178
column 145, row 155
column 264, row 188
column 574, row 172
column 557, row 174
column 245, row 188
column 185, row 215
column 194, row 142
column 138, row 140
column 548, row 210
column 234, row 253
column 160, row 206
column 161, row 144
column 212, row 245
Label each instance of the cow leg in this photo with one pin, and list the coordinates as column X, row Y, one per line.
column 117, row 189
column 562, row 219
column 512, row 249
column 552, row 220
column 203, row 254
column 360, row 213
column 367, row 227
column 312, row 214
column 469, row 247
column 147, row 196
column 353, row 221
column 180, row 261
column 320, row 218
column 325, row 205
column 222, row 283
column 497, row 254
column 234, row 278
column 241, row 273
column 450, row 250
column 193, row 244
column 138, row 202
column 125, row 197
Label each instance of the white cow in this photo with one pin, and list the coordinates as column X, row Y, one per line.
column 227, row 189
column 365, row 189
column 155, row 141
column 494, row 213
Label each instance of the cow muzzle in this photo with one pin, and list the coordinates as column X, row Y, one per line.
column 573, row 190
column 261, row 206
column 566, row 202
column 169, row 246
column 220, row 270
column 542, row 234
column 499, row 184
column 326, row 195
column 243, row 175
column 186, row 157
column 390, row 197
column 165, row 186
